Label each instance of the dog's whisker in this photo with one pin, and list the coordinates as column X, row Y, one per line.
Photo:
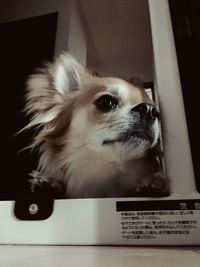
column 167, row 135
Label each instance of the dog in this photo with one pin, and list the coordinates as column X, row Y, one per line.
column 97, row 137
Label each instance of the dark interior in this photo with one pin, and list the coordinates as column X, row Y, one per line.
column 186, row 27
column 24, row 46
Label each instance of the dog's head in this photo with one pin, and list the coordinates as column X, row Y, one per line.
column 78, row 113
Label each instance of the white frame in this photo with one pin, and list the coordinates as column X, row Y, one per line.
column 94, row 221
column 167, row 82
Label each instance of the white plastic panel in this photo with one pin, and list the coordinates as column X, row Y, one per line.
column 176, row 142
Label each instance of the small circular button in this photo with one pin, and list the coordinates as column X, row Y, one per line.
column 33, row 209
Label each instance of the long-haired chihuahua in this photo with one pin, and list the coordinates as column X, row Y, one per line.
column 97, row 137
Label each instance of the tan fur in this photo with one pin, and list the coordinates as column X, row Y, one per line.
column 72, row 132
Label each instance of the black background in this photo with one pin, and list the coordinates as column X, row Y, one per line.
column 186, row 27
column 24, row 46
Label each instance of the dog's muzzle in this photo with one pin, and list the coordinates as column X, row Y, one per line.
column 144, row 116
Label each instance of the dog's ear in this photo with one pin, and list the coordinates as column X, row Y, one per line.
column 136, row 82
column 47, row 91
column 68, row 74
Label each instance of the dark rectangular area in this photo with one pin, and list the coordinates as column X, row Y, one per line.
column 24, row 46
column 184, row 204
column 186, row 28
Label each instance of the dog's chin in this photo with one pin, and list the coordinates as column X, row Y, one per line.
column 133, row 138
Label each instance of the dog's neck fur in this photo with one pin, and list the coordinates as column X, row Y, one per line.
column 93, row 178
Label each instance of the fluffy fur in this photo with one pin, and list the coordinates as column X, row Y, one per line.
column 89, row 149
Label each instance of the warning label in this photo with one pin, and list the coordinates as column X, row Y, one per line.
column 153, row 220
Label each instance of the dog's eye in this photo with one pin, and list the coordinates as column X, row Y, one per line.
column 106, row 103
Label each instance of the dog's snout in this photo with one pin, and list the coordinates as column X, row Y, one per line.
column 146, row 111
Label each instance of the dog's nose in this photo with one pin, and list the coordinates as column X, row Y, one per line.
column 146, row 111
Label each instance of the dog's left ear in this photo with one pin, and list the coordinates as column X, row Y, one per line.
column 53, row 87
column 136, row 82
column 68, row 74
